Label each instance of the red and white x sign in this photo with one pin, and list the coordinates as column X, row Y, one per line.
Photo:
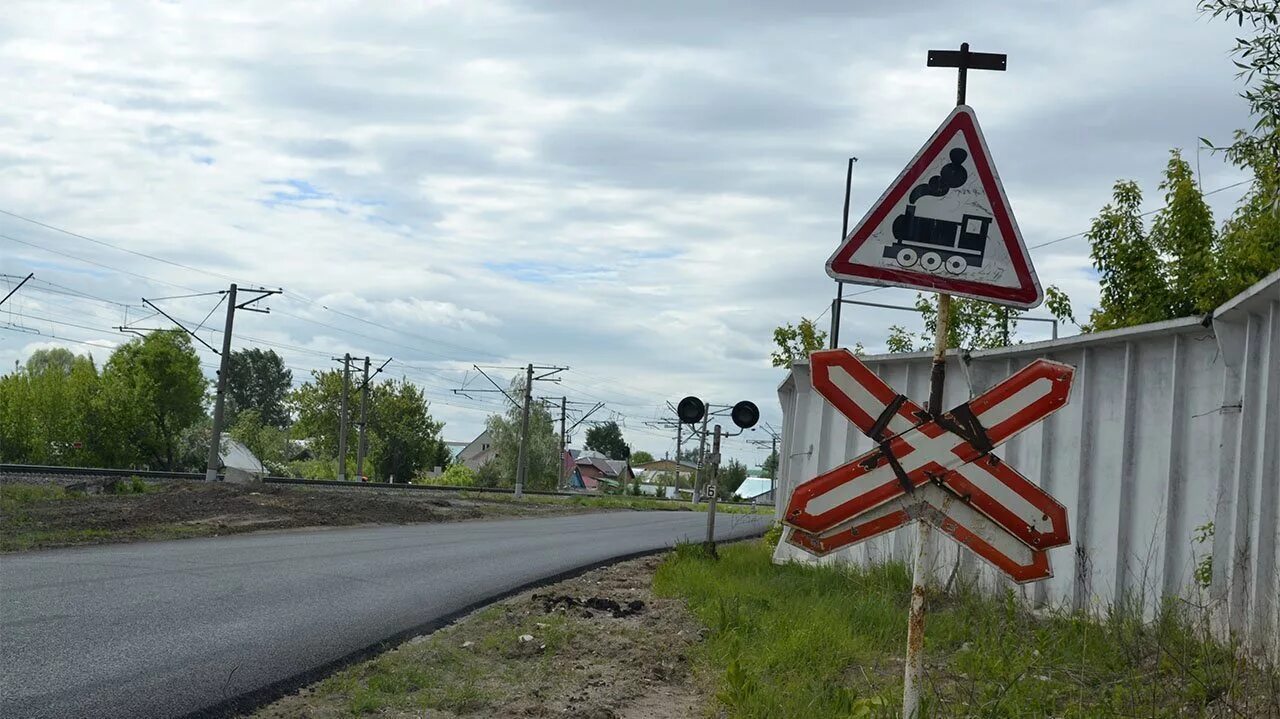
column 953, row 451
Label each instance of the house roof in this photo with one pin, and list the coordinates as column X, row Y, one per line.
column 608, row 467
column 753, row 487
column 665, row 465
column 473, row 447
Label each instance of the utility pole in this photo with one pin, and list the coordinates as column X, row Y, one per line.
column 364, row 415
column 564, row 408
column 522, row 463
column 224, row 366
column 772, row 444
column 702, row 455
column 548, row 375
column 342, row 418
column 224, row 369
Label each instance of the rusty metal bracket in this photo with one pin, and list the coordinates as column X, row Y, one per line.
column 963, row 423
column 903, row 479
column 876, row 433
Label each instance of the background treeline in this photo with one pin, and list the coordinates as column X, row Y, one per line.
column 149, row 405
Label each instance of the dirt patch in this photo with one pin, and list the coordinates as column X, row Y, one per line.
column 599, row 646
column 188, row 509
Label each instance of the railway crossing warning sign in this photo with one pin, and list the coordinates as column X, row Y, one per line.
column 944, row 225
column 939, row 470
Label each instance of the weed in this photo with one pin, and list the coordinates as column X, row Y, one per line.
column 773, row 536
column 800, row 641
column 132, row 485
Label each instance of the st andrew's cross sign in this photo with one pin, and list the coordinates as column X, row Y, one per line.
column 941, row 470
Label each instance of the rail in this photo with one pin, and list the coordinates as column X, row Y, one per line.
column 199, row 476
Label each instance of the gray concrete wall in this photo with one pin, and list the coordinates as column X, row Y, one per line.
column 1171, row 427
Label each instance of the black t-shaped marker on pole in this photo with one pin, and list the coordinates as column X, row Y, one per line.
column 964, row 60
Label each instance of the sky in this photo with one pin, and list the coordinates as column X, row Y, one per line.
column 640, row 192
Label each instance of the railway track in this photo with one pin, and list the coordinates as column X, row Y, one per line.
column 68, row 475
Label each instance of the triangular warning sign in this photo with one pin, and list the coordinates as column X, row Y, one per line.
column 944, row 226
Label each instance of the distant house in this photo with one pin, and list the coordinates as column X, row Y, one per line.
column 593, row 472
column 478, row 451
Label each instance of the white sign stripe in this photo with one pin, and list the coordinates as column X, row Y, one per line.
column 1018, row 401
column 989, row 485
column 861, row 396
column 976, row 522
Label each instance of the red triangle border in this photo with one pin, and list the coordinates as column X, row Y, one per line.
column 1027, row 295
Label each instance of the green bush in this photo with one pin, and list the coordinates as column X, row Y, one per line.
column 457, row 475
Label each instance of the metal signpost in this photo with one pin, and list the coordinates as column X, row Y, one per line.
column 944, row 225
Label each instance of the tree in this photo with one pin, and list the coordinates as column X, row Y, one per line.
column 770, row 465
column 1184, row 236
column 258, row 380
column 1131, row 284
column 59, row 358
column 544, row 446
column 641, row 457
column 731, row 478
column 44, row 410
column 974, row 324
column 797, row 342
column 152, row 392
column 607, row 439
column 269, row 443
column 317, row 406
column 1249, row 244
column 403, row 438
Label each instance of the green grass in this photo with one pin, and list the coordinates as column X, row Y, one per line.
column 809, row 642
column 437, row 673
column 13, row 496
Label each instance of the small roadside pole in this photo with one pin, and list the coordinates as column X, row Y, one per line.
column 712, row 491
column 692, row 410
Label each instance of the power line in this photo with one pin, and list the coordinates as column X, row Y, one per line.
column 104, row 243
column 1060, row 239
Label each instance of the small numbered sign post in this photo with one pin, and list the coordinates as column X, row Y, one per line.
column 944, row 225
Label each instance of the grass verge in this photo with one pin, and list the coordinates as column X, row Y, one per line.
column 808, row 642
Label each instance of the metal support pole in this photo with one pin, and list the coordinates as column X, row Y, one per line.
column 361, row 444
column 342, row 418
column 18, row 287
column 913, row 677
column 773, row 476
column 844, row 232
column 219, row 402
column 522, row 462
column 712, row 495
column 913, row 674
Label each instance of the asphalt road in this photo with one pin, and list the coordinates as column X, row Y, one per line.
column 162, row 629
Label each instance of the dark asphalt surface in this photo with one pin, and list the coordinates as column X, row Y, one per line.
column 163, row 629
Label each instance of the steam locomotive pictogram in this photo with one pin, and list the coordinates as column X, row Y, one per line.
column 933, row 243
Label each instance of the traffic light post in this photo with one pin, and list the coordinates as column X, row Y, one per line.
column 692, row 410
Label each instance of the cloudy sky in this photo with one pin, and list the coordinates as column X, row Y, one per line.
column 638, row 191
